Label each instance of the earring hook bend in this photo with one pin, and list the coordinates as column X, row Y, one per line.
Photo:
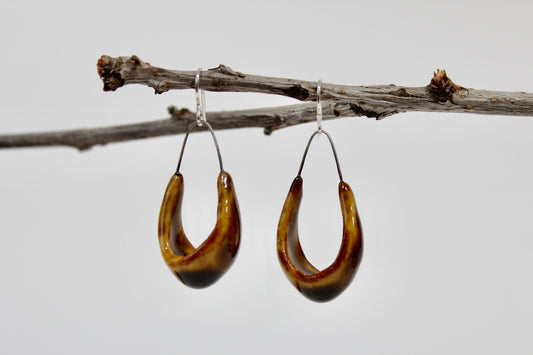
column 321, row 131
column 192, row 125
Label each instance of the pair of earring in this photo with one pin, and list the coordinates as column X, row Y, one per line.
column 201, row 267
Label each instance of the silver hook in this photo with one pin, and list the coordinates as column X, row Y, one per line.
column 192, row 125
column 319, row 105
column 321, row 131
column 200, row 100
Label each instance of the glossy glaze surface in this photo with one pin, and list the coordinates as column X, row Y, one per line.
column 199, row 267
column 325, row 285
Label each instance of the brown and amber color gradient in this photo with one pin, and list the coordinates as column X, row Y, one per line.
column 319, row 286
column 200, row 267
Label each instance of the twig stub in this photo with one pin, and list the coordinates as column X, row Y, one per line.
column 107, row 70
column 442, row 87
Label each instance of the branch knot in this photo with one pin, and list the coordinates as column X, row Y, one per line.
column 442, row 87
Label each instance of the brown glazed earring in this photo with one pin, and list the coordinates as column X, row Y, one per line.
column 199, row 267
column 324, row 285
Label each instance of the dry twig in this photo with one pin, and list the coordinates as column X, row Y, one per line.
column 378, row 101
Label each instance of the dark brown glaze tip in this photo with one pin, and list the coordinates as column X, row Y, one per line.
column 199, row 279
column 225, row 180
column 322, row 294
column 344, row 187
column 297, row 181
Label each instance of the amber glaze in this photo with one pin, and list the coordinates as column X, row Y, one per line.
column 200, row 267
column 319, row 286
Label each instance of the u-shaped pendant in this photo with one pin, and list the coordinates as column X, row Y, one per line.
column 199, row 267
column 324, row 285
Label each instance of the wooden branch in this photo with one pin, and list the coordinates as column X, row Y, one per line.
column 268, row 118
column 377, row 101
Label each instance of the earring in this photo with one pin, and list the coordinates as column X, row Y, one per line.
column 199, row 267
column 324, row 285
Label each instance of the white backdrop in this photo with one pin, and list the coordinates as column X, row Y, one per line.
column 445, row 199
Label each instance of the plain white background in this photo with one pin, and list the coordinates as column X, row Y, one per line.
column 445, row 199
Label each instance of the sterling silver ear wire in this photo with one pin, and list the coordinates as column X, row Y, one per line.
column 319, row 105
column 200, row 100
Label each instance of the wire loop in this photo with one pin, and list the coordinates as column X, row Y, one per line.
column 321, row 131
column 199, row 124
